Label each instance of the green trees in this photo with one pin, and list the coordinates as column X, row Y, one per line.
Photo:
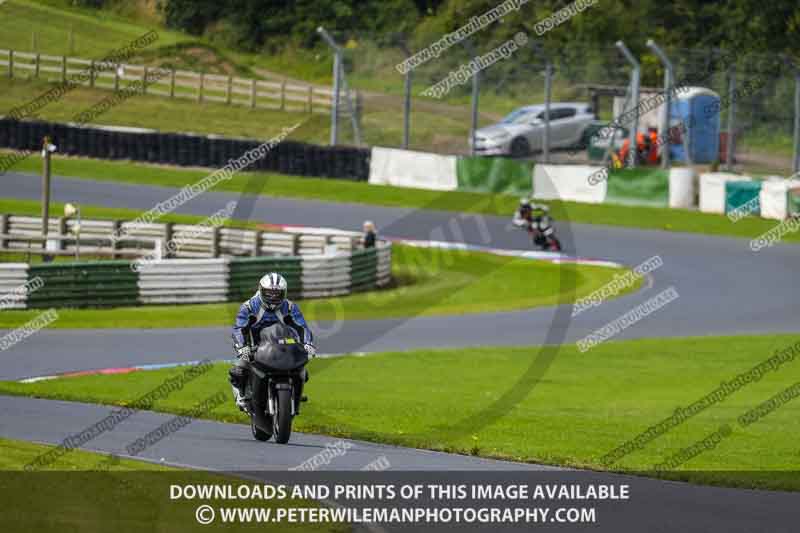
column 753, row 25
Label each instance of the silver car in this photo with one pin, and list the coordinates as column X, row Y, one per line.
column 522, row 131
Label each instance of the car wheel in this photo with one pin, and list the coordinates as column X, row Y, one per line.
column 520, row 147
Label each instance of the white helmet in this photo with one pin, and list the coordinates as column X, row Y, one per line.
column 272, row 290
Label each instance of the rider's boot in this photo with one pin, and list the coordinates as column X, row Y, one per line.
column 240, row 399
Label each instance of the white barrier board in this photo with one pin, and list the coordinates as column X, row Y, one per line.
column 420, row 170
column 774, row 198
column 568, row 182
column 712, row 190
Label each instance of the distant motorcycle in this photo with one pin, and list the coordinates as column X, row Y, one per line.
column 537, row 222
column 275, row 386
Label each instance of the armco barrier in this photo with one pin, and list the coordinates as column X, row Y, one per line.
column 171, row 281
column 184, row 281
column 23, row 234
column 13, row 277
column 97, row 284
column 245, row 273
column 288, row 157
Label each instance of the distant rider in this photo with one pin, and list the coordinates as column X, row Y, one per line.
column 266, row 307
column 535, row 218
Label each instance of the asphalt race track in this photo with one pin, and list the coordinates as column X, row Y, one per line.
column 655, row 505
column 724, row 288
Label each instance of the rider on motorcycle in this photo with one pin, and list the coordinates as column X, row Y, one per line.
column 535, row 218
column 266, row 307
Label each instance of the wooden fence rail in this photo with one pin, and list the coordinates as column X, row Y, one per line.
column 184, row 84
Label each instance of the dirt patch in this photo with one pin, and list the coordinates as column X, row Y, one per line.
column 209, row 61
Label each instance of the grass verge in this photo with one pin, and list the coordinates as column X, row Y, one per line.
column 586, row 405
column 87, row 491
column 427, row 282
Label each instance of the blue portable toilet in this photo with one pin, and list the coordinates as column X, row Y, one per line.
column 699, row 109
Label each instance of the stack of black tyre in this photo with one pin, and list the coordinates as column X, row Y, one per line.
column 288, row 157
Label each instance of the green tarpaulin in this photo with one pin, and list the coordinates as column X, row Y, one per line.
column 494, row 174
column 640, row 186
column 793, row 202
column 741, row 194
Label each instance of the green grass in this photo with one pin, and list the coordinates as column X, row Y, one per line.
column 88, row 491
column 16, row 453
column 585, row 405
column 382, row 124
column 427, row 282
column 766, row 140
column 96, row 32
column 654, row 218
column 171, row 115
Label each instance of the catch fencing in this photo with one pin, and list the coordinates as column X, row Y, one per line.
column 764, row 120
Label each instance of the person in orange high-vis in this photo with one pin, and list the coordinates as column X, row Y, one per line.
column 652, row 155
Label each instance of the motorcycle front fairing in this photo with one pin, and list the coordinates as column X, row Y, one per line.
column 280, row 357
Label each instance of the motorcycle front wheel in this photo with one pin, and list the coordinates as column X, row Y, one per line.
column 282, row 420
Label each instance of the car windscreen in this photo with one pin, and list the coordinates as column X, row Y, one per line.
column 518, row 116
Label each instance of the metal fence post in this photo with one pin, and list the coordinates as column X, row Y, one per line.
column 172, row 83
column 215, row 241
column 91, row 74
column 253, row 93
column 731, row 118
column 3, row 229
column 359, row 109
column 144, row 80
column 283, row 95
column 352, row 110
column 11, row 64
column 169, row 232
column 200, row 87
column 116, row 225
column 337, row 60
column 796, row 161
column 635, row 77
column 45, row 191
column 62, row 232
column 407, row 108
column 259, row 241
column 38, row 60
column 337, row 69
column 548, row 87
column 63, row 69
column 669, row 80
column 229, row 90
column 474, row 111
column 310, row 99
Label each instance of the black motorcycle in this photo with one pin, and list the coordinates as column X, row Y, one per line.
column 275, row 386
column 545, row 239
